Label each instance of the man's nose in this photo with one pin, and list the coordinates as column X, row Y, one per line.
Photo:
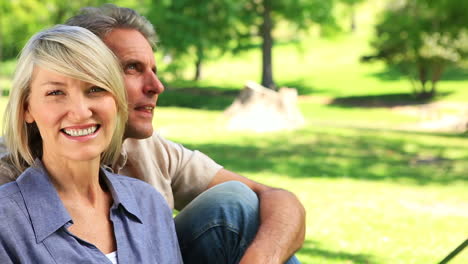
column 152, row 84
column 80, row 109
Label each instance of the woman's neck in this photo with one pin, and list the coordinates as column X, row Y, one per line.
column 74, row 179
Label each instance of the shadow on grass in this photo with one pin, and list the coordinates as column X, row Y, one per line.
column 303, row 87
column 360, row 154
column 393, row 74
column 314, row 249
column 382, row 100
column 208, row 98
column 190, row 94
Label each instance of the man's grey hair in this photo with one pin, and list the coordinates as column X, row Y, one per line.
column 102, row 20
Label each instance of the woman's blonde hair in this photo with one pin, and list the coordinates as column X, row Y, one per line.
column 74, row 52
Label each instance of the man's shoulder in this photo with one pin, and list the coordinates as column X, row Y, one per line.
column 8, row 171
column 155, row 146
column 156, row 140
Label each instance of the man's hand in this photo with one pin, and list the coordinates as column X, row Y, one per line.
column 282, row 222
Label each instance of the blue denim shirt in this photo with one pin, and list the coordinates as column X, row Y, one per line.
column 34, row 222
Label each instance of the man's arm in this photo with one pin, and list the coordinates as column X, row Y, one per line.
column 282, row 221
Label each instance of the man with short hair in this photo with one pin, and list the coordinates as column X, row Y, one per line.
column 224, row 217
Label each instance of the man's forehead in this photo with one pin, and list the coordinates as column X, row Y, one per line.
column 128, row 43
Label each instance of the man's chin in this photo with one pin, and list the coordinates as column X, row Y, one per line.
column 138, row 132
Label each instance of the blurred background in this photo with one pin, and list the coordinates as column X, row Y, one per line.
column 381, row 162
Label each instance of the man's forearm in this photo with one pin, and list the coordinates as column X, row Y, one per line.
column 281, row 231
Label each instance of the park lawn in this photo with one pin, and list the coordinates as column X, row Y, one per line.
column 371, row 195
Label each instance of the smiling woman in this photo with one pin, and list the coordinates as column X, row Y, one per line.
column 65, row 119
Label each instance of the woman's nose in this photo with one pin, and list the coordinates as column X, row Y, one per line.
column 79, row 109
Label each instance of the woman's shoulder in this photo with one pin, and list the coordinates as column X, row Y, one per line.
column 8, row 190
column 11, row 204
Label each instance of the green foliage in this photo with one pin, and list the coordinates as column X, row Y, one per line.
column 19, row 20
column 422, row 38
column 204, row 28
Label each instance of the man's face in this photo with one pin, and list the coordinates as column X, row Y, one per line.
column 142, row 84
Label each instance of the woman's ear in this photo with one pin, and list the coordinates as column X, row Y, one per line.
column 27, row 114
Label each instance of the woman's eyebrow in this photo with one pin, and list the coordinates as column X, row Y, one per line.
column 53, row 83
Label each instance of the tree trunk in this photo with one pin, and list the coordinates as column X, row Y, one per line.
column 260, row 109
column 353, row 19
column 436, row 75
column 422, row 70
column 198, row 64
column 265, row 31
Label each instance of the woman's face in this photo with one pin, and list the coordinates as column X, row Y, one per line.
column 76, row 119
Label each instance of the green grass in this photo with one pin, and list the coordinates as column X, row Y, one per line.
column 371, row 195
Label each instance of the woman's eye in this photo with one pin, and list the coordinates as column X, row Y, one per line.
column 96, row 89
column 55, row 92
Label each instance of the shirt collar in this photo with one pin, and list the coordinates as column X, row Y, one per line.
column 42, row 201
column 47, row 211
column 122, row 194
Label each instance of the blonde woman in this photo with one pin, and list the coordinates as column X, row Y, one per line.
column 64, row 120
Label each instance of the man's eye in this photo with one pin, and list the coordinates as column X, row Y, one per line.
column 132, row 68
column 96, row 89
column 54, row 92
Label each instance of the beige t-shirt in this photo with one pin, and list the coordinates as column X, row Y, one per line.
column 178, row 173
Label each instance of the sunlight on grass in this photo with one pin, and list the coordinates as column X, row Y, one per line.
column 369, row 195
column 351, row 221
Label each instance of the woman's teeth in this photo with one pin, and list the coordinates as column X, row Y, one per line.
column 80, row 132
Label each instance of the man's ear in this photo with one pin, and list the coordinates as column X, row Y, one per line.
column 27, row 114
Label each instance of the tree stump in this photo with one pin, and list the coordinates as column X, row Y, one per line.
column 261, row 109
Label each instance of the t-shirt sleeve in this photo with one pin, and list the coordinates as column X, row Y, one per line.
column 8, row 172
column 190, row 171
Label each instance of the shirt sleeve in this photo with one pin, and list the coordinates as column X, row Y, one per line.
column 190, row 171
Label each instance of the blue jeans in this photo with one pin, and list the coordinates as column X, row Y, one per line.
column 218, row 226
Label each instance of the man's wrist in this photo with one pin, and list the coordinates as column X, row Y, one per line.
column 256, row 255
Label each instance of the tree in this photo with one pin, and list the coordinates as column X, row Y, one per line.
column 202, row 27
column 422, row 38
column 19, row 20
column 352, row 12
column 263, row 15
column 218, row 26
